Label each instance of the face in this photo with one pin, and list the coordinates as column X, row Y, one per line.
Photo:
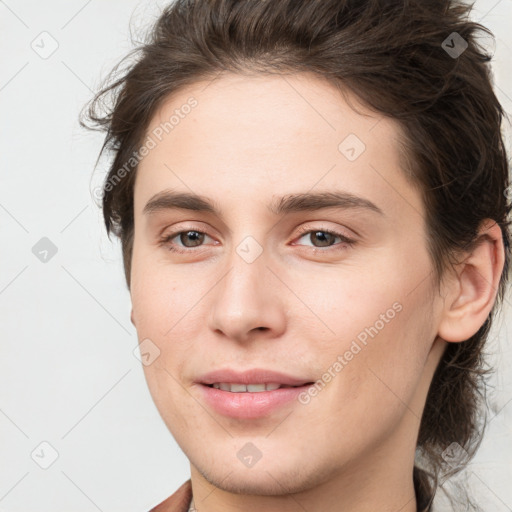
column 333, row 290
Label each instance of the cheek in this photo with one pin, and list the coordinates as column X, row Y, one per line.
column 158, row 304
column 392, row 358
column 383, row 334
column 159, row 299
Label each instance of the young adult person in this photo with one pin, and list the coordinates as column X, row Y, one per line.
column 311, row 195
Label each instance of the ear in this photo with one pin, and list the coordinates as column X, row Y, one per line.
column 473, row 288
column 132, row 318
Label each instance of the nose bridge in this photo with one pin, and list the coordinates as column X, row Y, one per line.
column 245, row 299
column 250, row 268
column 246, row 284
column 247, row 261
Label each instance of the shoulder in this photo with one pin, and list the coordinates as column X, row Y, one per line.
column 179, row 501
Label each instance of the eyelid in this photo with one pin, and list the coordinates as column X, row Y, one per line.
column 164, row 240
column 335, row 231
column 178, row 228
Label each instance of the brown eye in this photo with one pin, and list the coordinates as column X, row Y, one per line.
column 325, row 238
column 194, row 237
column 183, row 241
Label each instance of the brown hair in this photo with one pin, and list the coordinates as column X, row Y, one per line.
column 394, row 55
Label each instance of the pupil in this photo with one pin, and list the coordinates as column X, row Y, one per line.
column 323, row 235
column 194, row 235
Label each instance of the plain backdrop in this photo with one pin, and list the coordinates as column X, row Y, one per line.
column 78, row 428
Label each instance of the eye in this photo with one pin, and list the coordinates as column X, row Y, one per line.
column 188, row 239
column 325, row 238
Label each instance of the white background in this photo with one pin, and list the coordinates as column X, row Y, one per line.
column 68, row 375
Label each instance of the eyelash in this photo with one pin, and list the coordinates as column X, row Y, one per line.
column 165, row 240
column 344, row 240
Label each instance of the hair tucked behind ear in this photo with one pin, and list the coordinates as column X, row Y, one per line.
column 393, row 55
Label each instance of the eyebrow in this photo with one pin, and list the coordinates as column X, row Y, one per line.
column 306, row 201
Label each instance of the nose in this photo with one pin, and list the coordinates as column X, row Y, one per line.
column 248, row 302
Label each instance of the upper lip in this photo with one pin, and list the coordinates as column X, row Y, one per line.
column 252, row 376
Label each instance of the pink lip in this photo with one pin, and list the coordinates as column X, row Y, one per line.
column 253, row 376
column 245, row 405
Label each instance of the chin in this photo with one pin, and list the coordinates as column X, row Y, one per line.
column 262, row 484
column 264, row 479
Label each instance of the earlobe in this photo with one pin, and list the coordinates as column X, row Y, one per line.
column 473, row 291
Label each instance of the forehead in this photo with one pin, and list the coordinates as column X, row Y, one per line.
column 276, row 134
column 266, row 111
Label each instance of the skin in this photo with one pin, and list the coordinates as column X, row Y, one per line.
column 301, row 303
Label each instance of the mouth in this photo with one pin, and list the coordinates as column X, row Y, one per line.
column 252, row 388
column 250, row 394
column 251, row 401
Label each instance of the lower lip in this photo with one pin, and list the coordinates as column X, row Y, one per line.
column 246, row 405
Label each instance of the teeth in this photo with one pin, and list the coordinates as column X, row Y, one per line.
column 254, row 388
column 250, row 388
